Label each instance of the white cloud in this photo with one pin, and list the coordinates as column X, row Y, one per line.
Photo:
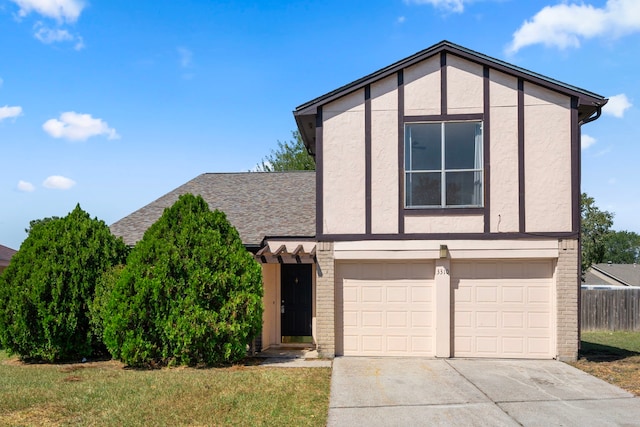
column 48, row 35
column 57, row 182
column 78, row 127
column 586, row 141
column 401, row 19
column 186, row 57
column 79, row 43
column 60, row 10
column 25, row 186
column 56, row 35
column 7, row 112
column 448, row 5
column 617, row 105
column 564, row 25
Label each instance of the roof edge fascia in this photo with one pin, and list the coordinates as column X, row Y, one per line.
column 585, row 97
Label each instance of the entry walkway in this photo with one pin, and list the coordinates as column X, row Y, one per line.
column 463, row 392
column 292, row 358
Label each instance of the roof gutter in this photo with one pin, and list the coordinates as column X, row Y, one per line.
column 592, row 118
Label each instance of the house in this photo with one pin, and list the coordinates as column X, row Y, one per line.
column 609, row 274
column 5, row 256
column 445, row 215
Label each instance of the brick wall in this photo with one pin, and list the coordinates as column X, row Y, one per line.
column 567, row 282
column 325, row 300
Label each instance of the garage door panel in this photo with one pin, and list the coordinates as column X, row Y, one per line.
column 539, row 294
column 422, row 345
column 539, row 320
column 371, row 319
column 513, row 294
column 486, row 294
column 507, row 315
column 421, row 294
column 397, row 294
column 371, row 294
column 392, row 310
column 421, row 319
column 397, row 319
column 488, row 319
column 371, row 343
column 350, row 295
column 513, row 320
column 350, row 319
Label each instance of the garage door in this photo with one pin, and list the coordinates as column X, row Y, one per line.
column 387, row 309
column 503, row 309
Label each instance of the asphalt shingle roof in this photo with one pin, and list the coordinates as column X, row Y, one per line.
column 5, row 255
column 258, row 204
column 626, row 274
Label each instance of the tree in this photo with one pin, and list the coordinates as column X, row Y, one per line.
column 594, row 231
column 290, row 156
column 45, row 291
column 622, row 247
column 190, row 293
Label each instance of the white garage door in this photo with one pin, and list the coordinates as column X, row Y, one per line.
column 503, row 309
column 387, row 309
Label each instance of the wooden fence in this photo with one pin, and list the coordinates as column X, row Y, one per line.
column 615, row 309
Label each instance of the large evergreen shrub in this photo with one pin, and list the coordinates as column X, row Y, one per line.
column 45, row 291
column 190, row 292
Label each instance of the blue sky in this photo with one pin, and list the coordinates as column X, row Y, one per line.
column 112, row 104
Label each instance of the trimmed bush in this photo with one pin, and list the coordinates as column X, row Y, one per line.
column 190, row 293
column 45, row 291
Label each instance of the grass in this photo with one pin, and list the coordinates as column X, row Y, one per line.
column 613, row 357
column 108, row 394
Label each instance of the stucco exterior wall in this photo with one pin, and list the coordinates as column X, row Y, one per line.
column 344, row 165
column 547, row 153
column 503, row 138
column 384, row 156
column 271, row 313
column 464, row 86
column 422, row 88
column 444, row 224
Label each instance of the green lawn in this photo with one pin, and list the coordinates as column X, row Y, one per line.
column 613, row 357
column 107, row 394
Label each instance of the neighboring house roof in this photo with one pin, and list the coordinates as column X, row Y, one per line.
column 5, row 255
column 613, row 274
column 258, row 204
column 305, row 114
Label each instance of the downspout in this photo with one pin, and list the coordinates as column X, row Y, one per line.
column 584, row 122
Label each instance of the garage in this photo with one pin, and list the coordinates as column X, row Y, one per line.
column 503, row 309
column 385, row 308
column 497, row 308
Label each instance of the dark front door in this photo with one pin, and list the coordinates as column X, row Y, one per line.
column 295, row 306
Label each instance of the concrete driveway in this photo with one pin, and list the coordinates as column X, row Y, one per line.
column 478, row 392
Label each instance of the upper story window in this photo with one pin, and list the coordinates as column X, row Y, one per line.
column 443, row 164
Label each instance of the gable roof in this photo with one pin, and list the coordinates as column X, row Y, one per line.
column 258, row 204
column 305, row 114
column 5, row 255
column 617, row 274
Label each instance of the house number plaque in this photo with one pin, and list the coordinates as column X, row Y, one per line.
column 441, row 271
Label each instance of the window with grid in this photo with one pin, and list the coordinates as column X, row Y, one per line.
column 443, row 165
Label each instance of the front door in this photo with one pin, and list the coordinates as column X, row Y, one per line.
column 295, row 305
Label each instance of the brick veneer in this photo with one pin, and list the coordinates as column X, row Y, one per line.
column 325, row 300
column 567, row 287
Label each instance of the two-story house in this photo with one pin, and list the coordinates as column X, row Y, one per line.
column 447, row 215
